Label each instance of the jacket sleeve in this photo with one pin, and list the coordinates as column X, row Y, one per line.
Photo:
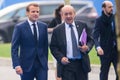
column 15, row 46
column 90, row 41
column 96, row 33
column 55, row 47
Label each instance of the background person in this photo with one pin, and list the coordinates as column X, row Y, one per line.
column 30, row 46
column 56, row 21
column 105, row 40
column 62, row 49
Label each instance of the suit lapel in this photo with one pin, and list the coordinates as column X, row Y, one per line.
column 79, row 28
column 63, row 33
column 39, row 31
column 64, row 36
column 29, row 31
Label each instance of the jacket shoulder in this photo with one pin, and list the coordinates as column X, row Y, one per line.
column 59, row 26
column 99, row 18
column 21, row 24
column 79, row 22
column 42, row 23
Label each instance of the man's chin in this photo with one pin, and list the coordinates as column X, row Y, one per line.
column 110, row 13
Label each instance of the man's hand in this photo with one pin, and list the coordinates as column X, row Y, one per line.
column 65, row 60
column 100, row 51
column 18, row 70
column 83, row 48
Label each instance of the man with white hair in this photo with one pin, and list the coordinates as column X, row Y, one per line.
column 105, row 40
column 66, row 49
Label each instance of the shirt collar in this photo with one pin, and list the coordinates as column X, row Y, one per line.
column 68, row 24
column 30, row 22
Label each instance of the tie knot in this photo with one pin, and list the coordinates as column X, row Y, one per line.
column 33, row 24
column 70, row 25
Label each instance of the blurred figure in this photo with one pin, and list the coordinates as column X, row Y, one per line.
column 56, row 21
column 105, row 40
column 66, row 49
column 30, row 46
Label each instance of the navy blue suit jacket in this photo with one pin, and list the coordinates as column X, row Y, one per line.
column 104, row 35
column 23, row 46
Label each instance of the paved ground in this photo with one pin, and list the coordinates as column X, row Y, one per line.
column 7, row 73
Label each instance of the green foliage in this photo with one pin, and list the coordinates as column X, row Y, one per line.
column 50, row 57
column 94, row 59
column 5, row 51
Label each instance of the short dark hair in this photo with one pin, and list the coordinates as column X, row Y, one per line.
column 32, row 4
column 104, row 5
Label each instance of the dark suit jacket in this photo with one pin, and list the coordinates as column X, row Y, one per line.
column 58, row 42
column 24, row 48
column 104, row 35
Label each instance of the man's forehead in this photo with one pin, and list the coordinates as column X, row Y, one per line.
column 108, row 3
column 67, row 8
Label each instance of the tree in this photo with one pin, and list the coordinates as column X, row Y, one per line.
column 67, row 2
column 118, row 31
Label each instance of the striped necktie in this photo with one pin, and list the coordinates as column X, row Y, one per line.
column 74, row 42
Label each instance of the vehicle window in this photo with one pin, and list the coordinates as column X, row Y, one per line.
column 47, row 9
column 78, row 6
column 21, row 13
column 8, row 16
column 87, row 10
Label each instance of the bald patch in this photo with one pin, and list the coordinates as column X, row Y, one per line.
column 68, row 7
column 105, row 3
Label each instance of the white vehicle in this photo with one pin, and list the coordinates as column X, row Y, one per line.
column 13, row 14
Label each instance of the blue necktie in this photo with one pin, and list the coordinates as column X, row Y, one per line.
column 74, row 42
column 35, row 32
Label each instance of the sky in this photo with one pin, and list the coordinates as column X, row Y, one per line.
column 97, row 3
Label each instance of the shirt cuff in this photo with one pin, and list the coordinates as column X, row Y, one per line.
column 17, row 67
column 98, row 47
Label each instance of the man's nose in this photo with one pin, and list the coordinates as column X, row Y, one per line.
column 68, row 15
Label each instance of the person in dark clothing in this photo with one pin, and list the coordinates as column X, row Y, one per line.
column 105, row 40
column 56, row 21
column 66, row 49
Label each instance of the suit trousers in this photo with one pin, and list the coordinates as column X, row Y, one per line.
column 59, row 69
column 106, row 63
column 37, row 72
column 74, row 71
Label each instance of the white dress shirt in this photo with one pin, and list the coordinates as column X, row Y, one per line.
column 31, row 26
column 69, row 40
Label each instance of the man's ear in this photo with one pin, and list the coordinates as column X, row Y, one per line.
column 26, row 13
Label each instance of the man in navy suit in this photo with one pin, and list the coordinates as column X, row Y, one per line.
column 29, row 49
column 105, row 40
column 62, row 46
